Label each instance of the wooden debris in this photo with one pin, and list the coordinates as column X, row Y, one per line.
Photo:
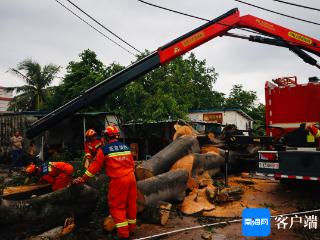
column 204, row 179
column 206, row 236
column 196, row 202
column 68, row 226
column 211, row 192
column 229, row 194
column 163, row 160
column 109, row 224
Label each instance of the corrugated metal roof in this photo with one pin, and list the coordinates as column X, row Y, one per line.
column 238, row 110
column 43, row 113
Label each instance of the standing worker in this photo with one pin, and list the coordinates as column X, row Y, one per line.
column 91, row 146
column 16, row 145
column 313, row 130
column 122, row 195
column 57, row 174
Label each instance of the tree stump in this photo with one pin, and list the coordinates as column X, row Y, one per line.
column 157, row 214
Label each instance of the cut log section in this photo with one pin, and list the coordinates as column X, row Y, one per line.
column 44, row 212
column 157, row 214
column 212, row 149
column 169, row 186
column 163, row 160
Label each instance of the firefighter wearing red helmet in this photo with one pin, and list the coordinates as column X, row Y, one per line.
column 122, row 195
column 91, row 146
column 57, row 174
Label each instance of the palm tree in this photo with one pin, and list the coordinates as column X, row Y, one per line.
column 37, row 80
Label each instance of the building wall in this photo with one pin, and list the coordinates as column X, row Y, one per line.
column 228, row 117
column 5, row 98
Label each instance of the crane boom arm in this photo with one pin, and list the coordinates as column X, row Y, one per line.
column 217, row 27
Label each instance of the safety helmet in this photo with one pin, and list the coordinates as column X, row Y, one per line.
column 90, row 133
column 31, row 169
column 112, row 131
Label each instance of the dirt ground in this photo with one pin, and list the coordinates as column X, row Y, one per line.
column 280, row 198
column 259, row 192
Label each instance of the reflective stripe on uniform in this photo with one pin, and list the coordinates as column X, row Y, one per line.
column 318, row 134
column 89, row 174
column 132, row 221
column 122, row 224
column 49, row 166
column 98, row 145
column 116, row 154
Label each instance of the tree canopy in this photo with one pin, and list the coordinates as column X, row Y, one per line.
column 168, row 92
column 34, row 92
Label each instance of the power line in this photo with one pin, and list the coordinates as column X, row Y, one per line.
column 192, row 16
column 100, row 24
column 204, row 19
column 282, row 14
column 297, row 5
column 175, row 11
column 68, row 9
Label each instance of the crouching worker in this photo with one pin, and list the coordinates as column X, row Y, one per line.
column 57, row 174
column 122, row 195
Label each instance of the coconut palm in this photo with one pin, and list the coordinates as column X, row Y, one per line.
column 37, row 81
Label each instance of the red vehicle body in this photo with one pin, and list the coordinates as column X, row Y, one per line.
column 289, row 105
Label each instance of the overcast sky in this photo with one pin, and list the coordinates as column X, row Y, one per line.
column 47, row 33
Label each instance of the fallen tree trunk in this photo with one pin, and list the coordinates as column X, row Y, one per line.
column 163, row 160
column 38, row 214
column 207, row 161
column 197, row 163
column 169, row 186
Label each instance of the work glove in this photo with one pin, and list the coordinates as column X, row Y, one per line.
column 78, row 181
